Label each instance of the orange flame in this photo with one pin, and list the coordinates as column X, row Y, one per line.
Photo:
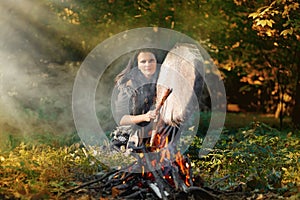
column 184, row 167
column 179, row 161
column 143, row 170
column 167, row 141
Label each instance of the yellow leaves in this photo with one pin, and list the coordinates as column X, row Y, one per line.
column 270, row 22
column 236, row 45
column 69, row 15
column 27, row 170
column 231, row 63
column 289, row 7
column 287, row 32
column 238, row 2
column 263, row 18
column 264, row 22
column 287, row 98
column 257, row 82
column 264, row 27
column 68, row 11
column 254, row 15
column 270, row 32
column 263, row 12
column 261, row 22
column 296, row 6
column 2, row 158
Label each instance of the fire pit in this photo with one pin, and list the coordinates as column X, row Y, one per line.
column 153, row 176
column 156, row 173
column 173, row 181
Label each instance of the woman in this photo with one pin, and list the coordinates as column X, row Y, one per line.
column 137, row 93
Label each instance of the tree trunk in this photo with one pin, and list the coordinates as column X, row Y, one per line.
column 296, row 111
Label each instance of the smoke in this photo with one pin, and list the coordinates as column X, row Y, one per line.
column 35, row 93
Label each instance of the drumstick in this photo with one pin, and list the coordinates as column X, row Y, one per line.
column 167, row 92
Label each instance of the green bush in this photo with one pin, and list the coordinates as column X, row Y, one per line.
column 258, row 156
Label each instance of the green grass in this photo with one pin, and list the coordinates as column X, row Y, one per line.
column 235, row 121
column 254, row 154
column 257, row 156
column 43, row 172
column 239, row 120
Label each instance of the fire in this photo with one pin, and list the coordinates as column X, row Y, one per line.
column 149, row 175
column 162, row 164
column 161, row 172
column 166, row 167
column 160, row 145
column 179, row 161
column 184, row 167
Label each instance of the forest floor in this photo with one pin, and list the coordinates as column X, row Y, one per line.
column 259, row 161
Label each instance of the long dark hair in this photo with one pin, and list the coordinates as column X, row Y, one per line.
column 131, row 64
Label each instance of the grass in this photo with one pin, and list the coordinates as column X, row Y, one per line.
column 253, row 154
column 238, row 120
column 257, row 156
column 42, row 171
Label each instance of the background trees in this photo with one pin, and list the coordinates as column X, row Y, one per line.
column 255, row 43
column 279, row 23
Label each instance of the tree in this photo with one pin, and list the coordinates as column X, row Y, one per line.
column 256, row 51
column 280, row 22
column 260, row 51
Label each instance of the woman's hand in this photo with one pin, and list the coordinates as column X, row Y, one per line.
column 150, row 115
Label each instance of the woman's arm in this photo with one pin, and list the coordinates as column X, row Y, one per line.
column 135, row 119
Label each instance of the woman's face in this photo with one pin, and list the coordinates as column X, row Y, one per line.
column 147, row 63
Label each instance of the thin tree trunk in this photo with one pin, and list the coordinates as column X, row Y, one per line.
column 296, row 111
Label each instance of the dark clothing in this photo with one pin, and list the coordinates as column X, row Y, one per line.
column 137, row 96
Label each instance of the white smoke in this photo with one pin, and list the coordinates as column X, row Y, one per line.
column 35, row 94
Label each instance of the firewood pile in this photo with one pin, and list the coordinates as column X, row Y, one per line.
column 154, row 175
